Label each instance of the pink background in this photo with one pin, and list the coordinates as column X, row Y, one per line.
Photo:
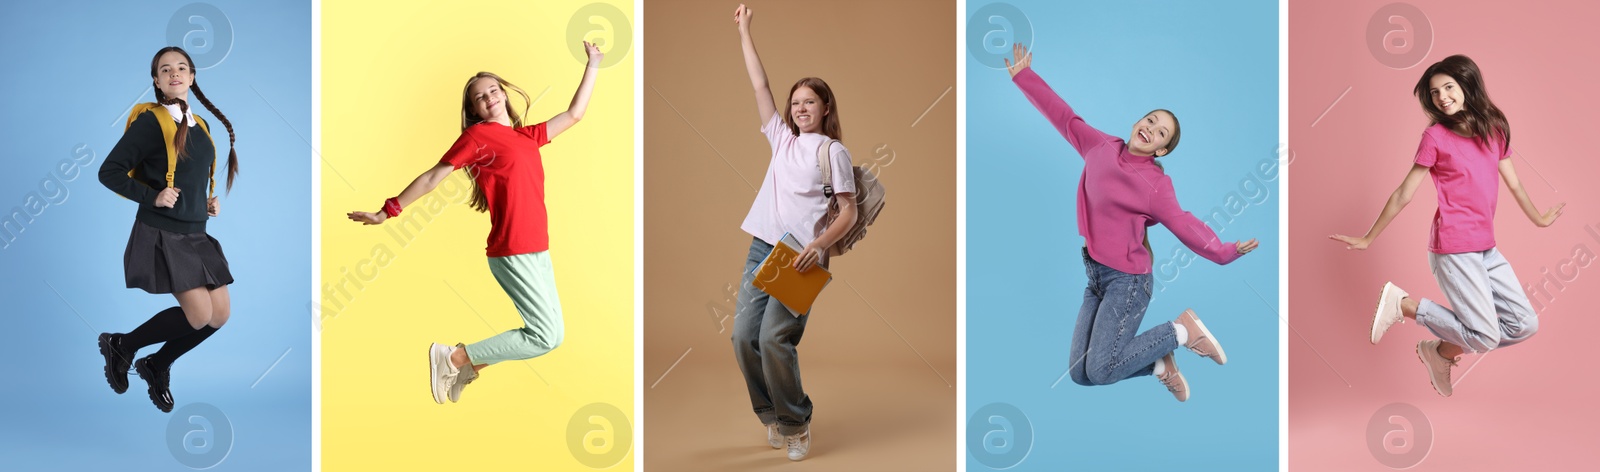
column 1527, row 407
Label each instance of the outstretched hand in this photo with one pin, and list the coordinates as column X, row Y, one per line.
column 1549, row 217
column 595, row 56
column 368, row 218
column 1351, row 242
column 1244, row 247
column 741, row 17
column 1021, row 59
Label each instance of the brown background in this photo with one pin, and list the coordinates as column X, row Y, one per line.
column 879, row 353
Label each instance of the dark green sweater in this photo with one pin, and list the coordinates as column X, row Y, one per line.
column 142, row 147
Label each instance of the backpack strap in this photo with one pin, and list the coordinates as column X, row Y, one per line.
column 826, row 164
column 168, row 130
column 212, row 192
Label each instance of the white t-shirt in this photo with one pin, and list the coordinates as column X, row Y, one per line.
column 791, row 198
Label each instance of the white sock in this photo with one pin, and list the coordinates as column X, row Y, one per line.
column 1161, row 368
column 1181, row 332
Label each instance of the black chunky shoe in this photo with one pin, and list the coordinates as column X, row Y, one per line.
column 158, row 378
column 116, row 361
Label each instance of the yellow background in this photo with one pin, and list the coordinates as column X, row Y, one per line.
column 391, row 103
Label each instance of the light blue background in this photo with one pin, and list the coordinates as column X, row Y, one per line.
column 72, row 68
column 1215, row 65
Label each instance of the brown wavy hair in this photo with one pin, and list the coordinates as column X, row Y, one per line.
column 480, row 201
column 1478, row 114
column 830, row 121
column 181, row 138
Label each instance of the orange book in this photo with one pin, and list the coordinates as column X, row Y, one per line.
column 796, row 290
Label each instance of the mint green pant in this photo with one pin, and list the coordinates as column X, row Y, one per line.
column 530, row 281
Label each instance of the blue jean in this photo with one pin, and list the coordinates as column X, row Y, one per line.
column 765, row 336
column 1105, row 349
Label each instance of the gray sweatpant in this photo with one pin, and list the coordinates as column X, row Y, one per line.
column 1491, row 311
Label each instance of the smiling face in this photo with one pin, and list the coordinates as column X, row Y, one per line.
column 488, row 100
column 173, row 75
column 806, row 110
column 1152, row 135
column 1446, row 94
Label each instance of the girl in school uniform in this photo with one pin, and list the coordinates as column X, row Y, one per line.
column 1466, row 146
column 1123, row 191
column 169, row 251
column 501, row 154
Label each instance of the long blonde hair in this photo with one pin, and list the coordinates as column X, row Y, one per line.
column 480, row 201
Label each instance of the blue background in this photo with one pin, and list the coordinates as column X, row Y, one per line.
column 74, row 68
column 1215, row 65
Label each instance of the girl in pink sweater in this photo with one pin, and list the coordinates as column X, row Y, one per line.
column 1122, row 191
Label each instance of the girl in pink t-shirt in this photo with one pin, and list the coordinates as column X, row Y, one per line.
column 1122, row 192
column 502, row 156
column 791, row 200
column 1466, row 146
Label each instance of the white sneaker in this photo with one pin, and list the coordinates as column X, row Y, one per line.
column 774, row 438
column 799, row 444
column 441, row 371
column 1388, row 312
column 463, row 378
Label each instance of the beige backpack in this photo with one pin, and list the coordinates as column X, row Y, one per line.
column 869, row 201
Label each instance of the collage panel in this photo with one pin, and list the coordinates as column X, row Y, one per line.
column 521, row 111
column 741, row 104
column 150, row 327
column 1123, row 169
column 1439, row 277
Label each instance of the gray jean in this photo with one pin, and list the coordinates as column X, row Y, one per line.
column 1491, row 311
column 765, row 336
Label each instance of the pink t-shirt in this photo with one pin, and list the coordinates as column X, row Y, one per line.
column 791, row 198
column 1467, row 176
column 1120, row 193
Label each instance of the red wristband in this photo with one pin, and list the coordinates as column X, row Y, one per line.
column 391, row 207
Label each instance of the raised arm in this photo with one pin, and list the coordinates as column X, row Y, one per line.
column 1509, row 175
column 1397, row 201
column 1061, row 116
column 419, row 187
column 580, row 99
column 752, row 64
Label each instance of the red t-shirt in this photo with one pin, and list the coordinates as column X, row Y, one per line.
column 506, row 164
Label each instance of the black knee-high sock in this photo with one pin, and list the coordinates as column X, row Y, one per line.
column 173, row 349
column 165, row 326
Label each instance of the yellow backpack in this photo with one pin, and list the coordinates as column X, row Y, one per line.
column 169, row 129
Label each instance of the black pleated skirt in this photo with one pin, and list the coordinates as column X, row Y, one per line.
column 159, row 261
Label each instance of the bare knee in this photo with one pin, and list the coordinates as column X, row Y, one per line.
column 220, row 306
column 198, row 315
column 219, row 317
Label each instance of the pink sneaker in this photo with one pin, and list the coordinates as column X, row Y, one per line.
column 1438, row 366
column 1388, row 310
column 1173, row 379
column 1200, row 339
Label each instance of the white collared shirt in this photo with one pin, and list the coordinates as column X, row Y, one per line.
column 173, row 110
